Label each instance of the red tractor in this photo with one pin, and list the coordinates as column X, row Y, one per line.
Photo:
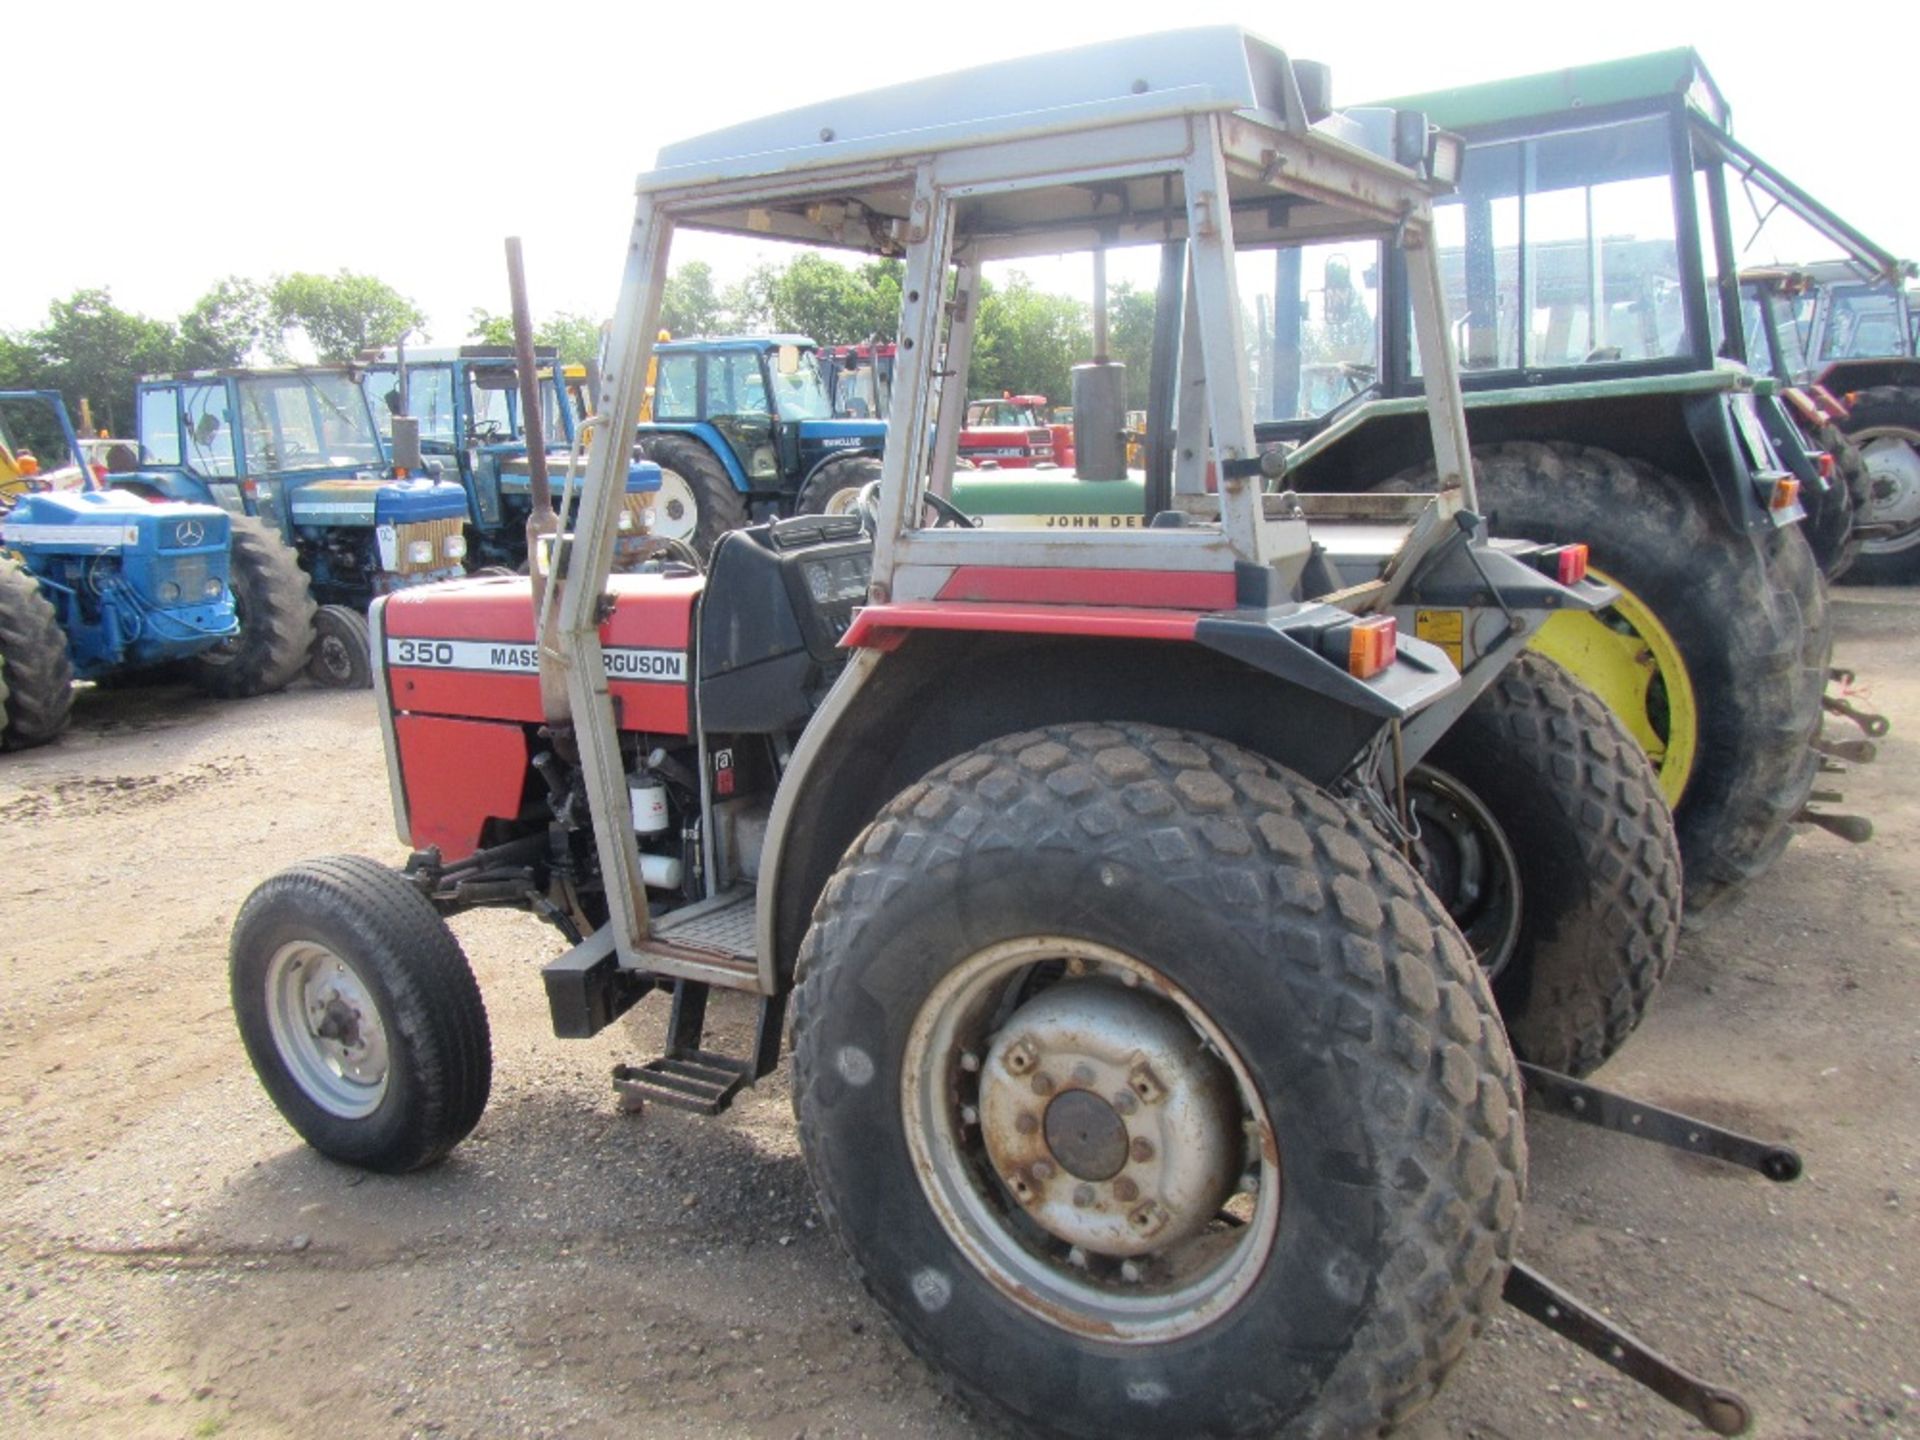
column 1015, row 432
column 1151, row 1087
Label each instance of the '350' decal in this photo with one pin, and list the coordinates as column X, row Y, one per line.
column 623, row 662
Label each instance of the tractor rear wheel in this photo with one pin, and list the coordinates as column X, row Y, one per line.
column 834, row 489
column 36, row 673
column 697, row 503
column 1885, row 424
column 1152, row 1094
column 1704, row 658
column 342, row 653
column 270, row 593
column 1850, row 474
column 360, row 1014
column 1542, row 830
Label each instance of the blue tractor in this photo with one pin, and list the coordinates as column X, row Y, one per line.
column 467, row 402
column 296, row 449
column 98, row 583
column 744, row 427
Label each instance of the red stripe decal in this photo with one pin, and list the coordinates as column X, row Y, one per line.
column 882, row 627
column 1174, row 589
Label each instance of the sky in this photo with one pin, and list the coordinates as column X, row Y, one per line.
column 170, row 145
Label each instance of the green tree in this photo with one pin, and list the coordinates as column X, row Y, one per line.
column 1027, row 341
column 1130, row 336
column 690, row 305
column 92, row 349
column 340, row 314
column 225, row 325
column 833, row 303
column 576, row 337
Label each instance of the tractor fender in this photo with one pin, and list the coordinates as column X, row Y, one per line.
column 1710, row 423
column 871, row 452
column 165, row 485
column 710, row 437
column 909, row 701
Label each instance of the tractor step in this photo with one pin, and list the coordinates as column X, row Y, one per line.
column 711, row 941
column 700, row 1082
column 688, row 1077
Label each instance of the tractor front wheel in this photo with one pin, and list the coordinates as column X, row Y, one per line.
column 1152, row 1094
column 360, row 1014
column 36, row 673
column 835, row 488
column 1885, row 424
column 342, row 653
column 275, row 606
column 1542, row 830
column 696, row 503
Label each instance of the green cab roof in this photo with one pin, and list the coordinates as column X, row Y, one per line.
column 1552, row 92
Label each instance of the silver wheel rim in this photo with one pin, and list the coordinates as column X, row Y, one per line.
column 1891, row 454
column 676, row 509
column 1477, row 877
column 1035, row 1210
column 844, row 501
column 327, row 1029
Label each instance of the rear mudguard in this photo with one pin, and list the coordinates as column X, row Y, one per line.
column 1250, row 677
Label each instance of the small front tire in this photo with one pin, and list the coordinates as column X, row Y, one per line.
column 360, row 1014
column 342, row 653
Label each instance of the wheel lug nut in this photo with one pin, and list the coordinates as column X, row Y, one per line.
column 1126, row 1102
column 1083, row 1195
column 1042, row 1084
column 1026, row 1123
column 969, row 1115
column 969, row 1061
column 1020, row 1057
column 1043, row 1169
column 1124, row 1189
column 1083, row 1074
column 1142, row 1149
column 1131, row 1272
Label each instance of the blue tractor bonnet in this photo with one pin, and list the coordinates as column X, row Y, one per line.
column 98, row 521
column 361, row 501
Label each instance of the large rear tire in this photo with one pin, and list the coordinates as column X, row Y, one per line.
column 1081, row 1016
column 36, row 673
column 1705, row 659
column 360, row 1014
column 697, row 503
column 1884, row 423
column 1543, row 832
column 276, row 610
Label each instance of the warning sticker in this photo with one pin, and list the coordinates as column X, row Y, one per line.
column 1445, row 628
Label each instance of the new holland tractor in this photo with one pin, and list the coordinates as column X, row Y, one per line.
column 1150, row 1088
column 295, row 450
column 467, row 402
column 98, row 583
column 745, row 426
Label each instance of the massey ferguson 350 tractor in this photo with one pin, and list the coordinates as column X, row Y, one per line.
column 1148, row 1085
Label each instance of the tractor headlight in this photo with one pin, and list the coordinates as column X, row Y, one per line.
column 213, row 589
column 765, row 462
column 456, row 547
column 1446, row 155
column 420, row 552
column 169, row 592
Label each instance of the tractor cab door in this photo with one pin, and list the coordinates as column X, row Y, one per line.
column 737, row 406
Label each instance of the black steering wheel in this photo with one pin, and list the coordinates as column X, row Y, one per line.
column 946, row 512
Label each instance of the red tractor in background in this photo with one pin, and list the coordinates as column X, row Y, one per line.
column 1007, row 434
column 1145, row 899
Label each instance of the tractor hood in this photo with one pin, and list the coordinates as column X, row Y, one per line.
column 99, row 521
column 365, row 501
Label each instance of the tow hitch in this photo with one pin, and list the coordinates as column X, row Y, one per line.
column 1533, row 1295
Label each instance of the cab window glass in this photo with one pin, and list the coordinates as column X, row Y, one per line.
column 160, row 425
column 676, row 390
column 209, row 430
column 734, row 385
column 1312, row 313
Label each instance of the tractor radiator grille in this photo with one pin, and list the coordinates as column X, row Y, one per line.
column 638, row 504
column 437, row 531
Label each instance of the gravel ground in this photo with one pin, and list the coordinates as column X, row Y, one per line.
column 173, row 1263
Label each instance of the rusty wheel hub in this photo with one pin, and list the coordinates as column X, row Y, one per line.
column 1108, row 1119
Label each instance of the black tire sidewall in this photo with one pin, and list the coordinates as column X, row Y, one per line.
column 721, row 506
column 831, row 478
column 1884, row 405
column 347, row 628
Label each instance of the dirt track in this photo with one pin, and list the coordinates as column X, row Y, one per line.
column 173, row 1263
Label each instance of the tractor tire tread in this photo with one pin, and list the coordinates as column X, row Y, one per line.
column 1400, row 999
column 36, row 670
column 276, row 632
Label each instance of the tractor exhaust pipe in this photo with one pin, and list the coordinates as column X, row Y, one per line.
column 542, row 520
